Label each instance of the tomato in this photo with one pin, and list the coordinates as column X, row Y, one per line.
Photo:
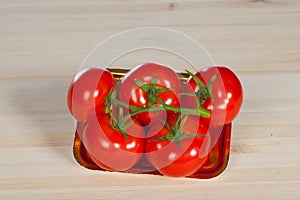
column 155, row 78
column 88, row 91
column 109, row 148
column 179, row 158
column 226, row 90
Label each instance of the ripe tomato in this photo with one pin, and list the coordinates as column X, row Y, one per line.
column 88, row 91
column 227, row 94
column 183, row 160
column 135, row 95
column 109, row 148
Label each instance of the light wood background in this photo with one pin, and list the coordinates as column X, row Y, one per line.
column 42, row 44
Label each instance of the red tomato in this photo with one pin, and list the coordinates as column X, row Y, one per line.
column 134, row 95
column 109, row 148
column 88, row 91
column 227, row 94
column 185, row 160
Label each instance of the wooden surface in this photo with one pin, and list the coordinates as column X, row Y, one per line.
column 42, row 44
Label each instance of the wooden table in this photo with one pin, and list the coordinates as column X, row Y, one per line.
column 42, row 43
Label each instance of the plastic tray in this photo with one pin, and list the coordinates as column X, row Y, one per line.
column 216, row 163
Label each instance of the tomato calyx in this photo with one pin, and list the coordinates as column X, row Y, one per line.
column 152, row 90
column 122, row 124
column 176, row 132
column 204, row 91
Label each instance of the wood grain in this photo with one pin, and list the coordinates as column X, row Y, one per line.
column 42, row 44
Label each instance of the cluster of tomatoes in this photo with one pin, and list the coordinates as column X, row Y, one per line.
column 152, row 113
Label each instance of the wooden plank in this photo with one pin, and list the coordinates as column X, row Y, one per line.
column 43, row 43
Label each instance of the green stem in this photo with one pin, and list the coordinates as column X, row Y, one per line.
column 200, row 112
column 117, row 102
column 136, row 110
column 152, row 91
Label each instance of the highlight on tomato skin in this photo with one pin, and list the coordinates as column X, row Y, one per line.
column 226, row 90
column 88, row 91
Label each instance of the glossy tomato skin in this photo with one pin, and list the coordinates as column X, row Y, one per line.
column 170, row 160
column 88, row 91
column 227, row 91
column 134, row 95
column 109, row 148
